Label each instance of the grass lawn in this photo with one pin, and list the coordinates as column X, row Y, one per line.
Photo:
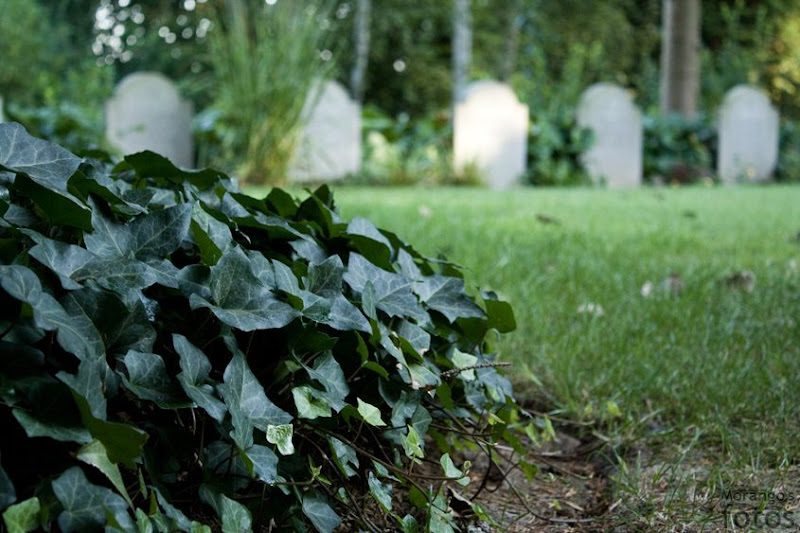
column 704, row 369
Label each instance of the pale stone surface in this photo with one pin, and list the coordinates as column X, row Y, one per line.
column 490, row 130
column 748, row 136
column 615, row 156
column 329, row 146
column 147, row 113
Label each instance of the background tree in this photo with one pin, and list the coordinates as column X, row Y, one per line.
column 680, row 56
column 361, row 37
column 462, row 47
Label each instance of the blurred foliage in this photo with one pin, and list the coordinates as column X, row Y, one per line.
column 555, row 145
column 789, row 152
column 65, row 55
column 266, row 60
column 678, row 149
column 402, row 151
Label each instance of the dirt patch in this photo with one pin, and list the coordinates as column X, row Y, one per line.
column 568, row 493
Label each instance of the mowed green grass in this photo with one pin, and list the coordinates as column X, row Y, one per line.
column 709, row 357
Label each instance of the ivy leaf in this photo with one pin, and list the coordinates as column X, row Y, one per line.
column 149, row 164
column 261, row 462
column 85, row 505
column 370, row 414
column 281, row 436
column 381, row 492
column 446, row 295
column 61, row 258
column 319, row 512
column 329, row 374
column 368, row 240
column 440, row 520
column 122, row 276
column 24, row 516
column 247, row 402
column 152, row 236
column 344, row 316
column 235, row 517
column 501, row 315
column 310, row 403
column 89, row 383
column 180, row 520
column 325, row 278
column 450, row 470
column 212, row 236
column 194, row 377
column 412, row 444
column 36, row 428
column 46, row 163
column 464, row 360
column 344, row 456
column 148, row 379
column 392, row 291
column 123, row 443
column 240, row 299
column 49, row 168
column 7, row 493
column 94, row 454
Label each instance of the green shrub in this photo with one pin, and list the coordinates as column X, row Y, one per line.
column 405, row 151
column 555, row 145
column 177, row 353
column 789, row 152
column 678, row 149
column 266, row 61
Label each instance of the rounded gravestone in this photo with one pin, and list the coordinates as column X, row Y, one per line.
column 329, row 146
column 146, row 112
column 490, row 130
column 615, row 156
column 748, row 136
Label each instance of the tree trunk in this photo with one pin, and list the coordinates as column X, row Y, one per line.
column 512, row 40
column 680, row 57
column 462, row 47
column 361, row 36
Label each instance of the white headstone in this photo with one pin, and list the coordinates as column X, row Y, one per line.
column 748, row 136
column 490, row 130
column 615, row 156
column 329, row 146
column 147, row 113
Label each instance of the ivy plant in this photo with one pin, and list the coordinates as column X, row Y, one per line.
column 176, row 355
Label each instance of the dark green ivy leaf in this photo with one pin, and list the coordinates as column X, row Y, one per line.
column 86, row 505
column 240, row 300
column 148, row 379
column 392, row 291
column 194, row 377
column 446, row 295
column 7, row 493
column 319, row 512
column 45, row 162
column 151, row 236
column 246, row 400
column 234, row 516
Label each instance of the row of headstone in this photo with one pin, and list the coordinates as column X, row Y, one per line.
column 490, row 131
column 748, row 131
column 147, row 112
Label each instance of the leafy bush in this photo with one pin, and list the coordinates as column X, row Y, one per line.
column 265, row 60
column 555, row 145
column 678, row 149
column 176, row 353
column 405, row 151
column 789, row 152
